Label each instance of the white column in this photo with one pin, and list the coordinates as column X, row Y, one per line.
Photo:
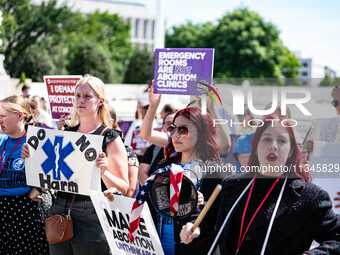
column 3, row 74
column 7, row 87
column 160, row 24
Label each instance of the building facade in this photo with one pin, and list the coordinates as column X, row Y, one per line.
column 311, row 73
column 143, row 23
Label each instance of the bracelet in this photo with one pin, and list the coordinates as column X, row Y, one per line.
column 39, row 189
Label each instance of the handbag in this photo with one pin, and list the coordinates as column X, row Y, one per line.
column 59, row 227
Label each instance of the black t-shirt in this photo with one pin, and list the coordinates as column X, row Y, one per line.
column 109, row 136
column 147, row 158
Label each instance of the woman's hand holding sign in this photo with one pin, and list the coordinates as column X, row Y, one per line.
column 25, row 152
column 62, row 121
column 109, row 193
column 34, row 193
column 154, row 99
column 102, row 163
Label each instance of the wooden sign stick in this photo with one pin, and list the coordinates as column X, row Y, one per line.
column 207, row 206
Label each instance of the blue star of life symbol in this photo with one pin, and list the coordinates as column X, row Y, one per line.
column 56, row 155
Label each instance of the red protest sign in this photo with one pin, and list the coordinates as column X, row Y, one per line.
column 60, row 89
column 138, row 144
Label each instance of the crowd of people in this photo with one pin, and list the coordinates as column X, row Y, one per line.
column 259, row 210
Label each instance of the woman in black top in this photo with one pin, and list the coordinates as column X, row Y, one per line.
column 90, row 116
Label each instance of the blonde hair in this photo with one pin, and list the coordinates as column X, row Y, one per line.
column 16, row 104
column 113, row 116
column 99, row 89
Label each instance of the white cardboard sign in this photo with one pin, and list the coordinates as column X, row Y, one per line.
column 114, row 219
column 63, row 160
column 324, row 168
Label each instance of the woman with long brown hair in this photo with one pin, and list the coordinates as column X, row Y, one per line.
column 192, row 137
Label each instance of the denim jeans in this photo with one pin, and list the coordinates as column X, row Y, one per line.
column 88, row 235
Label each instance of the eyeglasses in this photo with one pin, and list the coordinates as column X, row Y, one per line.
column 182, row 129
column 335, row 103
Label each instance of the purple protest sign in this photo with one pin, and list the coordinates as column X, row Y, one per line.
column 178, row 70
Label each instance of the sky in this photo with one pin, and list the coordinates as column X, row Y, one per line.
column 309, row 26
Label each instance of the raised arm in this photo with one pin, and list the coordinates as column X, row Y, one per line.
column 147, row 133
column 222, row 131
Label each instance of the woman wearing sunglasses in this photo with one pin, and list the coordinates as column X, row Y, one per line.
column 192, row 137
column 272, row 209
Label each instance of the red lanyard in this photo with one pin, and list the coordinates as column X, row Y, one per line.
column 2, row 152
column 241, row 238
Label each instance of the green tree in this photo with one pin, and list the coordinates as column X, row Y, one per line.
column 35, row 62
column 112, row 33
column 140, row 67
column 290, row 64
column 247, row 46
column 327, row 82
column 189, row 35
column 58, row 29
column 108, row 31
column 88, row 58
column 25, row 24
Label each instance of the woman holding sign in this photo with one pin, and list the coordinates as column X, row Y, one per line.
column 192, row 139
column 21, row 227
column 91, row 116
column 271, row 209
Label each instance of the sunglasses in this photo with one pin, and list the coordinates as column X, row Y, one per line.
column 335, row 103
column 182, row 129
